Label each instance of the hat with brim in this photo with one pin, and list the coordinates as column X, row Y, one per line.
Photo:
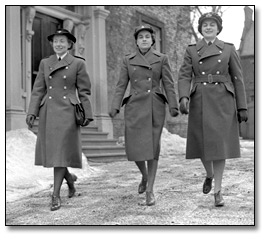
column 140, row 28
column 213, row 16
column 62, row 32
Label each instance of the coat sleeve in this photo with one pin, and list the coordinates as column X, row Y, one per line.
column 168, row 83
column 185, row 75
column 121, row 86
column 38, row 92
column 83, row 85
column 235, row 71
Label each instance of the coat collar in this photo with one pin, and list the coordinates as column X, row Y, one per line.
column 205, row 51
column 54, row 64
column 151, row 57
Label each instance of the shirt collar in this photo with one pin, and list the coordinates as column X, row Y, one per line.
column 210, row 41
column 63, row 56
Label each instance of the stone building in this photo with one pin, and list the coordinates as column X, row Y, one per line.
column 246, row 52
column 104, row 35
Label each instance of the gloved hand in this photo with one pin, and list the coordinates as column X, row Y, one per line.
column 242, row 115
column 184, row 105
column 113, row 113
column 86, row 122
column 174, row 112
column 30, row 120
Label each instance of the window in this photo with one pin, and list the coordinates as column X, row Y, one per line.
column 158, row 27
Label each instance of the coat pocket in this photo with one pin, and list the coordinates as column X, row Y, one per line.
column 43, row 101
column 125, row 100
column 193, row 89
column 163, row 97
column 229, row 88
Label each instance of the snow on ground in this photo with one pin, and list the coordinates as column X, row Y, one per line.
column 24, row 178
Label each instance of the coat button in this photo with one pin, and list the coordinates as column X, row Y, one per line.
column 66, row 67
column 217, row 72
column 65, row 87
column 50, row 77
column 64, row 77
column 135, row 80
column 50, row 87
column 150, row 68
column 64, row 97
column 203, row 72
column 219, row 60
column 220, row 51
column 50, row 68
column 235, row 77
column 50, row 97
column 148, row 91
column 200, row 62
column 149, row 79
column 204, row 83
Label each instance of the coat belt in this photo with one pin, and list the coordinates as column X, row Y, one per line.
column 211, row 78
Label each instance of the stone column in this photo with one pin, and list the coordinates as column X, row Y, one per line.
column 103, row 120
column 18, row 79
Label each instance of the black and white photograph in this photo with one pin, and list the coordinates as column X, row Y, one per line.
column 130, row 116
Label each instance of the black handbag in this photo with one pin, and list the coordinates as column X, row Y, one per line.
column 79, row 114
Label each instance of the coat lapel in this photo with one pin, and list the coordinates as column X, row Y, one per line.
column 146, row 60
column 54, row 64
column 138, row 59
column 205, row 51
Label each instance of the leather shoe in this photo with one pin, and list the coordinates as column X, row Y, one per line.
column 142, row 186
column 219, row 202
column 150, row 199
column 207, row 185
column 70, row 182
column 56, row 203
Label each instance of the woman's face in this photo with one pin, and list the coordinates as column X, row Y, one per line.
column 209, row 29
column 144, row 40
column 60, row 44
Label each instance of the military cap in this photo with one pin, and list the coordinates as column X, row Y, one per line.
column 141, row 28
column 62, row 32
column 211, row 15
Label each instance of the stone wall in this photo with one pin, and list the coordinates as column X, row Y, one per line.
column 120, row 26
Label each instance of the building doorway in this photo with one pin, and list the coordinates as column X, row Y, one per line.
column 43, row 26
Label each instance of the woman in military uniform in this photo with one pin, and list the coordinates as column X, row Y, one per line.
column 215, row 99
column 53, row 98
column 145, row 70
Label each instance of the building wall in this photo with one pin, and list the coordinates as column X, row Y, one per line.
column 120, row 26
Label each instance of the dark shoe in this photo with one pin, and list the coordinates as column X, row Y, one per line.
column 142, row 186
column 150, row 199
column 70, row 182
column 207, row 185
column 56, row 203
column 219, row 202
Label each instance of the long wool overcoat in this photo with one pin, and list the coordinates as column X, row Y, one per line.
column 145, row 104
column 53, row 99
column 213, row 131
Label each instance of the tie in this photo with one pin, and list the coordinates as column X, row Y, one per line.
column 209, row 43
column 59, row 59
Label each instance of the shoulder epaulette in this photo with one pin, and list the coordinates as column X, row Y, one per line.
column 191, row 44
column 79, row 57
column 130, row 55
column 157, row 53
column 228, row 43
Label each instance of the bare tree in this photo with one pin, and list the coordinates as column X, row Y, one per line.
column 197, row 11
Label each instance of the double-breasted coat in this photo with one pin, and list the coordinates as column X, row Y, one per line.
column 145, row 104
column 58, row 86
column 216, row 93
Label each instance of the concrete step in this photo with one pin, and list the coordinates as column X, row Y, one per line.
column 101, row 150
column 99, row 142
column 108, row 157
